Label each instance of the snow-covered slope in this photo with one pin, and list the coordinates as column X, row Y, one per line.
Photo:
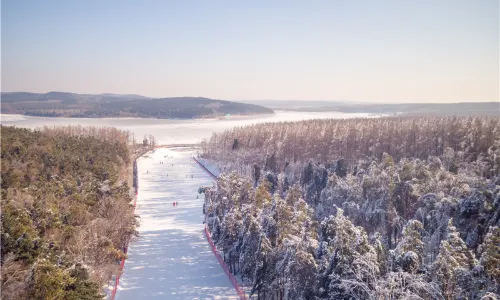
column 171, row 258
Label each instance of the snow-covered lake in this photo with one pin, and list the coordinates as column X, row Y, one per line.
column 171, row 258
column 172, row 131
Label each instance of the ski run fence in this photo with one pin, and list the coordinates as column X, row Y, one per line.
column 230, row 275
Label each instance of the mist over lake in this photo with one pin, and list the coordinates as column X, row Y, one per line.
column 168, row 131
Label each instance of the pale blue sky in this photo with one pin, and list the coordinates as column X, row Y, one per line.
column 389, row 51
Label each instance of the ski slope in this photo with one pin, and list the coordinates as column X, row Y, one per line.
column 171, row 258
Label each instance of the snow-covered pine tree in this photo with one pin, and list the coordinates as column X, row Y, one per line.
column 453, row 266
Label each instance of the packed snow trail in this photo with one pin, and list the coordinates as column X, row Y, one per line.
column 171, row 258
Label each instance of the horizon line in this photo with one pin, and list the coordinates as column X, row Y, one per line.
column 232, row 100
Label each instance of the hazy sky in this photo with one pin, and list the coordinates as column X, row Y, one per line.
column 389, row 51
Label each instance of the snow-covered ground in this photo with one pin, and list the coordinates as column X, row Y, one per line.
column 171, row 258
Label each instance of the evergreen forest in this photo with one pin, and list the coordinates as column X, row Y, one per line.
column 66, row 213
column 383, row 208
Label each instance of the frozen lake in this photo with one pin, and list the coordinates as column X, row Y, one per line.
column 172, row 131
column 171, row 258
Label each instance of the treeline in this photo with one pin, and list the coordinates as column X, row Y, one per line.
column 104, row 133
column 353, row 139
column 66, row 215
column 336, row 219
column 101, row 133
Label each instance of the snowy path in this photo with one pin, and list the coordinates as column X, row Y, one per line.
column 171, row 258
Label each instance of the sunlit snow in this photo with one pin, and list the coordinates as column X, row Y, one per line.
column 171, row 258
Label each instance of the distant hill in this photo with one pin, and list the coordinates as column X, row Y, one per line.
column 59, row 104
column 294, row 104
column 460, row 109
column 426, row 109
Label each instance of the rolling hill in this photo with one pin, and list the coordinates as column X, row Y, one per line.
column 59, row 104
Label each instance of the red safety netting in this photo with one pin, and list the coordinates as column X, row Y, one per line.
column 125, row 250
column 230, row 275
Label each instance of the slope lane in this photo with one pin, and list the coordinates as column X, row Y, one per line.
column 171, row 258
